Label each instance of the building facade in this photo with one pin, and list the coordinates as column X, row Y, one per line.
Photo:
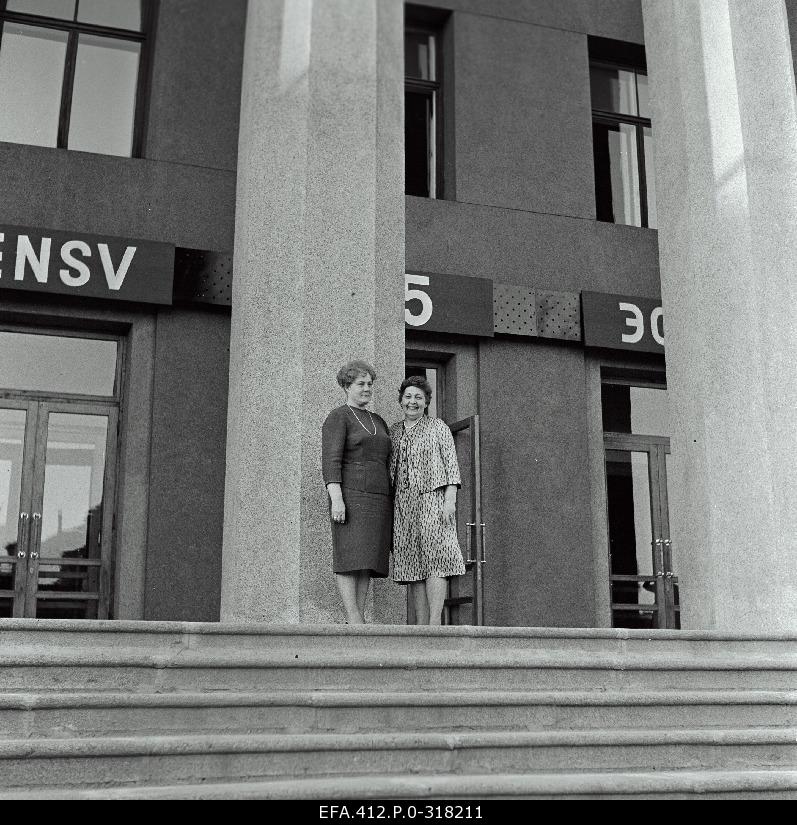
column 208, row 206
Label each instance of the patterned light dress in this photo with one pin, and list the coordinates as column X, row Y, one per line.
column 423, row 464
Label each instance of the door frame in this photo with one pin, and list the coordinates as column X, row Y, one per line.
column 39, row 404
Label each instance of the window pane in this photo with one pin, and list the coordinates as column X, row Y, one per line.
column 49, row 363
column 12, row 445
column 104, row 96
column 419, row 57
column 636, row 410
column 613, row 90
column 630, row 522
column 31, row 76
column 644, row 97
column 419, row 145
column 62, row 9
column 616, row 173
column 120, row 14
column 650, row 178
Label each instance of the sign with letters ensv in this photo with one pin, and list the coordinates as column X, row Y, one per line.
column 622, row 322
column 448, row 303
column 68, row 263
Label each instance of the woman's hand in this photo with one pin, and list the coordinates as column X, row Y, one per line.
column 337, row 507
column 450, row 505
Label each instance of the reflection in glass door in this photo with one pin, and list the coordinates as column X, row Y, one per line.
column 67, row 577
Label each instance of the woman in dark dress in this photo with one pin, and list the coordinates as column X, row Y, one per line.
column 355, row 446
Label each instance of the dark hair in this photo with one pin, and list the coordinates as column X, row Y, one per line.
column 350, row 372
column 421, row 383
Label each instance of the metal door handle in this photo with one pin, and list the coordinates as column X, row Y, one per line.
column 37, row 534
column 22, row 549
column 668, row 575
column 484, row 544
column 659, row 574
column 469, row 543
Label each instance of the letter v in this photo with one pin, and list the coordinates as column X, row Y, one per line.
column 115, row 278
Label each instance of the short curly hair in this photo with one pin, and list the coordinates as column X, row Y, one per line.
column 350, row 372
column 421, row 383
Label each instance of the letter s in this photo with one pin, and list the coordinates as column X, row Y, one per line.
column 70, row 278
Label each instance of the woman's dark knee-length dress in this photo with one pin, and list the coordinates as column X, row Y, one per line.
column 356, row 455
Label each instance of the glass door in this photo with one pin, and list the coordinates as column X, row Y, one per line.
column 644, row 588
column 16, row 442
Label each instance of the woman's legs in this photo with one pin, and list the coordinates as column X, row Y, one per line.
column 363, row 580
column 436, row 589
column 347, row 587
column 418, row 590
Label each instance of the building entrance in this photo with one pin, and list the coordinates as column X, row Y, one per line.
column 644, row 587
column 57, row 470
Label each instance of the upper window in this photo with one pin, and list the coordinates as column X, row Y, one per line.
column 423, row 113
column 71, row 73
column 625, row 190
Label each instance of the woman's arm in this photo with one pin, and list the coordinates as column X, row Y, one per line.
column 333, row 445
column 448, row 454
column 450, row 504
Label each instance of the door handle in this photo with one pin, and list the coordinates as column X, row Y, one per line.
column 484, row 544
column 469, row 545
column 22, row 548
column 36, row 537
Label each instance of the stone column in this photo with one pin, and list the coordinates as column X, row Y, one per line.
column 725, row 132
column 318, row 280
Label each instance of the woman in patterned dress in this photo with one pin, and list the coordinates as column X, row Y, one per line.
column 355, row 447
column 425, row 475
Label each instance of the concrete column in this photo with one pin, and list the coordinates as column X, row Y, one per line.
column 725, row 130
column 319, row 262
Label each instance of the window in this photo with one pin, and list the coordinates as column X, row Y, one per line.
column 423, row 112
column 72, row 71
column 625, row 190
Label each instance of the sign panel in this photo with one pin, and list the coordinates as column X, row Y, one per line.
column 622, row 322
column 448, row 303
column 68, row 263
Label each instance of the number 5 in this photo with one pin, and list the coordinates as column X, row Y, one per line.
column 417, row 295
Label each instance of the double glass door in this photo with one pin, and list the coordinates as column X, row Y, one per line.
column 56, row 478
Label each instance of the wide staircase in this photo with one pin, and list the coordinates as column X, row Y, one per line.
column 173, row 710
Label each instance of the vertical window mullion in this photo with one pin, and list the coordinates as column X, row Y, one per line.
column 643, row 180
column 141, row 115
column 66, row 92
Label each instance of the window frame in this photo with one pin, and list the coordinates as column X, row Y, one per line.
column 607, row 118
column 432, row 90
column 74, row 28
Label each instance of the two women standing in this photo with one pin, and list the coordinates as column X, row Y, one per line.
column 403, row 480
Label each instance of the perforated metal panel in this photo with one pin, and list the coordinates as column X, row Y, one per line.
column 559, row 315
column 514, row 310
column 203, row 276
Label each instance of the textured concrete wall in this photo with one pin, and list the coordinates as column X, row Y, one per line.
column 186, row 494
column 618, row 19
column 195, row 100
column 523, row 119
column 544, row 251
column 535, row 486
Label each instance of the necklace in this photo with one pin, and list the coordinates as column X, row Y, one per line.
column 407, row 427
column 361, row 423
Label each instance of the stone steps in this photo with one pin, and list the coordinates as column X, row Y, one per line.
column 254, row 757
column 171, row 710
column 190, row 670
column 173, row 637
column 24, row 715
column 653, row 785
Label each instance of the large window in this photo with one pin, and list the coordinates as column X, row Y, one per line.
column 423, row 112
column 625, row 190
column 72, row 73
